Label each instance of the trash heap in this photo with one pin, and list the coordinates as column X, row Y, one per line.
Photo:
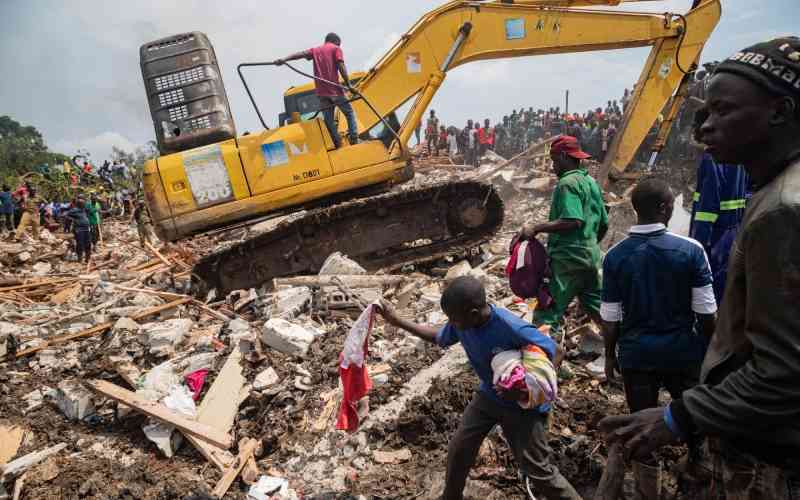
column 115, row 383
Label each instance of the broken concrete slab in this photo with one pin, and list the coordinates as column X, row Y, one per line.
column 17, row 467
column 126, row 324
column 290, row 303
column 146, row 300
column 74, row 400
column 391, row 457
column 336, row 263
column 461, row 269
column 267, row 378
column 42, row 268
column 286, row 337
column 163, row 337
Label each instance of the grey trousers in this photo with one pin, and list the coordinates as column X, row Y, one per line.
column 526, row 433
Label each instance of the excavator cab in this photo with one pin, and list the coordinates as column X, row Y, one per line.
column 303, row 100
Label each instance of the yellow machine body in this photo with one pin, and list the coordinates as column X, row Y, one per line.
column 253, row 175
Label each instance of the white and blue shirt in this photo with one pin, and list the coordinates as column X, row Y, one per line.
column 654, row 283
column 503, row 332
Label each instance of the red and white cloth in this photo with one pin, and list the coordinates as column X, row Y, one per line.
column 353, row 370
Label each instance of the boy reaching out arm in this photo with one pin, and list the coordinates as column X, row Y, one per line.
column 486, row 331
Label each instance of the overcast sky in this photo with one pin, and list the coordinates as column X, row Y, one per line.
column 71, row 68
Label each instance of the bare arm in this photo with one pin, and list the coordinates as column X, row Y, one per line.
column 708, row 322
column 556, row 226
column 343, row 71
column 610, row 332
column 425, row 332
column 293, row 57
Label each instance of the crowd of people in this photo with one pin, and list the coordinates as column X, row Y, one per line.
column 595, row 130
column 24, row 211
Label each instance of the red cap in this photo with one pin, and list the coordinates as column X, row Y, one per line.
column 568, row 144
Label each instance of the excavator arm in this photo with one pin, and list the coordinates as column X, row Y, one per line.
column 461, row 32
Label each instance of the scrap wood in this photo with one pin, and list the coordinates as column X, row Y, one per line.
column 331, row 399
column 65, row 294
column 37, row 284
column 230, row 475
column 506, row 163
column 610, row 486
column 12, row 439
column 157, row 254
column 104, row 305
column 99, row 328
column 174, row 296
column 161, row 413
column 353, row 281
column 219, row 407
column 17, row 467
column 18, row 484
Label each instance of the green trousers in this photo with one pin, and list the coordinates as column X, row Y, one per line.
column 566, row 283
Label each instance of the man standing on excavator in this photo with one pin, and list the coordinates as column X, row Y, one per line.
column 328, row 64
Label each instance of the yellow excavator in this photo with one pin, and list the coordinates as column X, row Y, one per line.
column 341, row 199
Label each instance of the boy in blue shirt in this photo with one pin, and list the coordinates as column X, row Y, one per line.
column 484, row 330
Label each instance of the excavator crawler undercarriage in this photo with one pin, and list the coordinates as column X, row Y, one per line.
column 384, row 231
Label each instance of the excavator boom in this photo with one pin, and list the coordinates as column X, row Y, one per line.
column 214, row 179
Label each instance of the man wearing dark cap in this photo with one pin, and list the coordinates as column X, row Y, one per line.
column 578, row 221
column 328, row 64
column 747, row 404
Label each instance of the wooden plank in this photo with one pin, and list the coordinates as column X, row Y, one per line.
column 157, row 254
column 12, row 439
column 219, row 407
column 353, row 281
column 95, row 330
column 161, row 413
column 17, row 467
column 66, row 294
column 37, row 284
column 230, row 475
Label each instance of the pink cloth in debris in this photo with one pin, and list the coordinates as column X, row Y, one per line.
column 195, row 381
column 516, row 380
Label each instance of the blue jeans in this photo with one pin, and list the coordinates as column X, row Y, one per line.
column 328, row 103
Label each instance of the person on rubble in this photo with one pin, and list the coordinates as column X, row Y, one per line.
column 328, row 61
column 81, row 230
column 6, row 210
column 718, row 208
column 441, row 142
column 432, row 133
column 483, row 331
column 662, row 283
column 29, row 206
column 746, row 404
column 578, row 221
column 485, row 137
column 94, row 219
column 142, row 220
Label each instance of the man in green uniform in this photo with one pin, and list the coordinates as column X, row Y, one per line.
column 94, row 219
column 578, row 221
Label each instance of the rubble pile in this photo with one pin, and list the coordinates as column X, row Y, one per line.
column 115, row 383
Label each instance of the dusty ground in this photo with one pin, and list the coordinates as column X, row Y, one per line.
column 109, row 457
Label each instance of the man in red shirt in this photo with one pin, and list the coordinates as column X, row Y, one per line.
column 486, row 137
column 328, row 64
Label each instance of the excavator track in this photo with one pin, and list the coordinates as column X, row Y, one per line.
column 387, row 230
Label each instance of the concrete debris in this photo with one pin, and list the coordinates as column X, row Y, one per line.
column 391, row 457
column 336, row 263
column 165, row 336
column 42, row 268
column 288, row 338
column 146, row 300
column 266, row 378
column 74, row 400
column 126, row 324
column 461, row 269
column 269, row 487
column 291, row 303
column 23, row 257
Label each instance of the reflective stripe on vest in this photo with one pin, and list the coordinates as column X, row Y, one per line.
column 732, row 204
column 706, row 217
